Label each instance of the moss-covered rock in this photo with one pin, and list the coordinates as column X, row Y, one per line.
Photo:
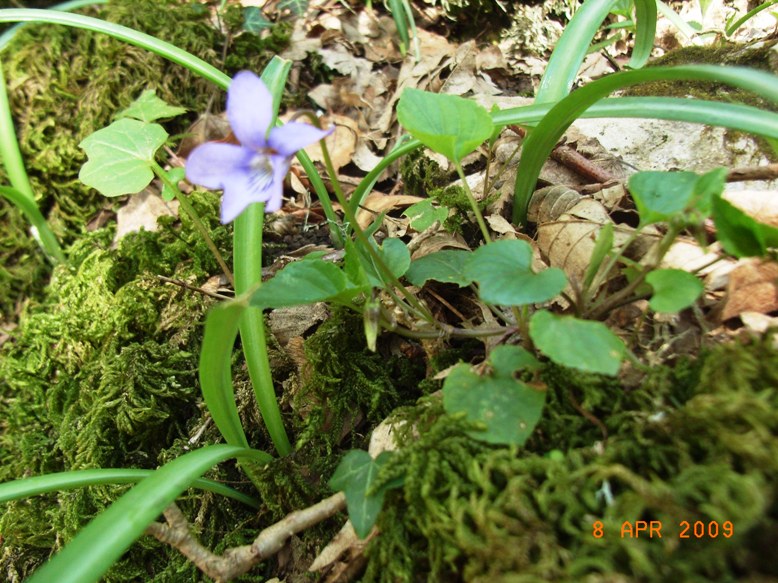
column 694, row 444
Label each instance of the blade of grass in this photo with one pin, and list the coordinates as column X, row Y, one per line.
column 61, row 481
column 22, row 195
column 32, row 213
column 730, row 115
column 100, row 544
column 544, row 137
column 572, row 47
column 221, row 329
column 645, row 18
column 731, row 29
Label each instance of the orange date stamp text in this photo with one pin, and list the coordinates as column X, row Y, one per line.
column 653, row 529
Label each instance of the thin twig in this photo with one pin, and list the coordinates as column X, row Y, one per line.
column 238, row 560
column 185, row 285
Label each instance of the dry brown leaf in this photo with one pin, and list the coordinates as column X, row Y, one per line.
column 206, row 128
column 753, row 287
column 376, row 203
column 569, row 241
column 341, row 143
column 435, row 242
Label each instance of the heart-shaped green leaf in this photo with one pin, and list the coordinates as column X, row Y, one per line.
column 508, row 408
column 447, row 266
column 448, row 124
column 674, row 290
column 148, row 107
column 423, row 215
column 739, row 234
column 120, row 156
column 661, row 196
column 580, row 344
column 302, row 282
column 355, row 476
column 503, row 270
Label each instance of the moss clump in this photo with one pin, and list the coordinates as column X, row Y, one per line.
column 344, row 380
column 103, row 373
column 693, row 444
column 66, row 83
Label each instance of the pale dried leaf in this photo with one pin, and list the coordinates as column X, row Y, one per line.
column 141, row 212
column 436, row 242
column 376, row 203
column 341, row 143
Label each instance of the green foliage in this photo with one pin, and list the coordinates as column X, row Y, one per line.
column 121, row 156
column 344, row 380
column 739, row 234
column 503, row 271
column 149, row 108
column 581, row 344
column 447, row 266
column 694, row 443
column 356, row 477
column 55, row 107
column 102, row 373
column 674, row 289
column 508, row 409
column 447, row 124
column 423, row 215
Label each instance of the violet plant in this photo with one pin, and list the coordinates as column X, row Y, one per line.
column 253, row 172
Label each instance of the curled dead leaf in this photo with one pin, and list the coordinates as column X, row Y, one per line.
column 753, row 287
column 377, row 203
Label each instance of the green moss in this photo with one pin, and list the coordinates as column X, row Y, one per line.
column 67, row 83
column 696, row 443
column 345, row 380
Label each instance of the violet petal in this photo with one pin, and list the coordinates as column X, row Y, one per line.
column 289, row 138
column 276, row 198
column 249, row 109
column 208, row 164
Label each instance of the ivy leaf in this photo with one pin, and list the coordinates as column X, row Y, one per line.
column 254, row 21
column 503, row 270
column 355, row 476
column 447, row 266
column 509, row 409
column 448, row 124
column 674, row 290
column 148, row 107
column 423, row 215
column 580, row 344
column 120, row 156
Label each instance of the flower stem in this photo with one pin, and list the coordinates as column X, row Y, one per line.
column 247, row 258
column 415, row 305
column 189, row 209
column 473, row 204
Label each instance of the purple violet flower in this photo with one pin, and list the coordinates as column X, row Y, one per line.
column 254, row 171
